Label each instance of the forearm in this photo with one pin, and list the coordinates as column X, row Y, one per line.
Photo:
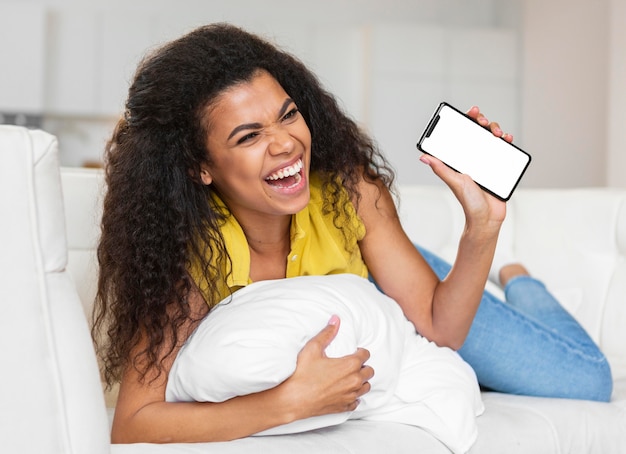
column 456, row 298
column 319, row 385
column 189, row 422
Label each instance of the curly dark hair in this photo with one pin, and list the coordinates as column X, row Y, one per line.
column 158, row 218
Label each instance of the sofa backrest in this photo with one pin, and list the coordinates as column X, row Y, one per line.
column 83, row 192
column 50, row 392
column 573, row 239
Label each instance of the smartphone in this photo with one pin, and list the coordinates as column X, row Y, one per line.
column 496, row 165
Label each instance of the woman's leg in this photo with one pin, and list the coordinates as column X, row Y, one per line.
column 530, row 345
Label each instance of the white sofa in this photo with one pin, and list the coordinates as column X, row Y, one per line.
column 50, row 393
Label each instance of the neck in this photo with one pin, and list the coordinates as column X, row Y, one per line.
column 269, row 244
column 270, row 236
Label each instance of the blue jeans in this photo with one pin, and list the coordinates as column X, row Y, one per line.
column 530, row 344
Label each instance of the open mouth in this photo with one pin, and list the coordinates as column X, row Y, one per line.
column 287, row 177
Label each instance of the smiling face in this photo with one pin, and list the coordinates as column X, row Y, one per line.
column 260, row 148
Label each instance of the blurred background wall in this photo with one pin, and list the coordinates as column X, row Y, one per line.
column 552, row 72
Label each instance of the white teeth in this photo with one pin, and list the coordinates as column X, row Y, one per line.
column 287, row 171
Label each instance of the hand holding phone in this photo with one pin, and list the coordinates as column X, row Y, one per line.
column 458, row 141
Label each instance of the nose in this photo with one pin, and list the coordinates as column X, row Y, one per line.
column 281, row 141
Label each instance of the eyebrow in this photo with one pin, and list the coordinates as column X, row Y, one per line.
column 245, row 126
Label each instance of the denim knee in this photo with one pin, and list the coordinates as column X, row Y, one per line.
column 599, row 384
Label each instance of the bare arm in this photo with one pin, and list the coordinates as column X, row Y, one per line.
column 320, row 385
column 441, row 311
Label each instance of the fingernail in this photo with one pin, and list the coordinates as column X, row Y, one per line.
column 425, row 160
column 334, row 320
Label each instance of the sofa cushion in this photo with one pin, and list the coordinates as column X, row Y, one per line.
column 522, row 424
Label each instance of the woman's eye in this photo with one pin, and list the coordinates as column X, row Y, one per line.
column 292, row 113
column 247, row 137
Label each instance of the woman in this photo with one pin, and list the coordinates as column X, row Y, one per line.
column 222, row 129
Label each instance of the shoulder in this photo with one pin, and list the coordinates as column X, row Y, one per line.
column 374, row 202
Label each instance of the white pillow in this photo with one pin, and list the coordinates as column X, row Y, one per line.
column 250, row 342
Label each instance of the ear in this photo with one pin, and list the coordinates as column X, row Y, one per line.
column 205, row 175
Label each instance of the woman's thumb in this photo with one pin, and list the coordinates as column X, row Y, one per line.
column 326, row 336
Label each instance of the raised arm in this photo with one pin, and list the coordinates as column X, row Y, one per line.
column 320, row 385
column 441, row 311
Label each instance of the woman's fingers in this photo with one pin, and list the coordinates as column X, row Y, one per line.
column 478, row 206
column 451, row 178
column 324, row 385
column 475, row 113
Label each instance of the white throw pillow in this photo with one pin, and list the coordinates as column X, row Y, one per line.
column 250, row 342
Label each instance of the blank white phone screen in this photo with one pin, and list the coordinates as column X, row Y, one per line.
column 473, row 150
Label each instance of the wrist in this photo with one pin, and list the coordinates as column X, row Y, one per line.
column 285, row 400
column 483, row 233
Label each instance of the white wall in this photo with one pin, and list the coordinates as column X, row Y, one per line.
column 550, row 71
column 565, row 91
column 443, row 64
column 616, row 157
column 22, row 35
column 364, row 51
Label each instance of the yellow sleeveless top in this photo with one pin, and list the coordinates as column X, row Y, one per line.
column 318, row 247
